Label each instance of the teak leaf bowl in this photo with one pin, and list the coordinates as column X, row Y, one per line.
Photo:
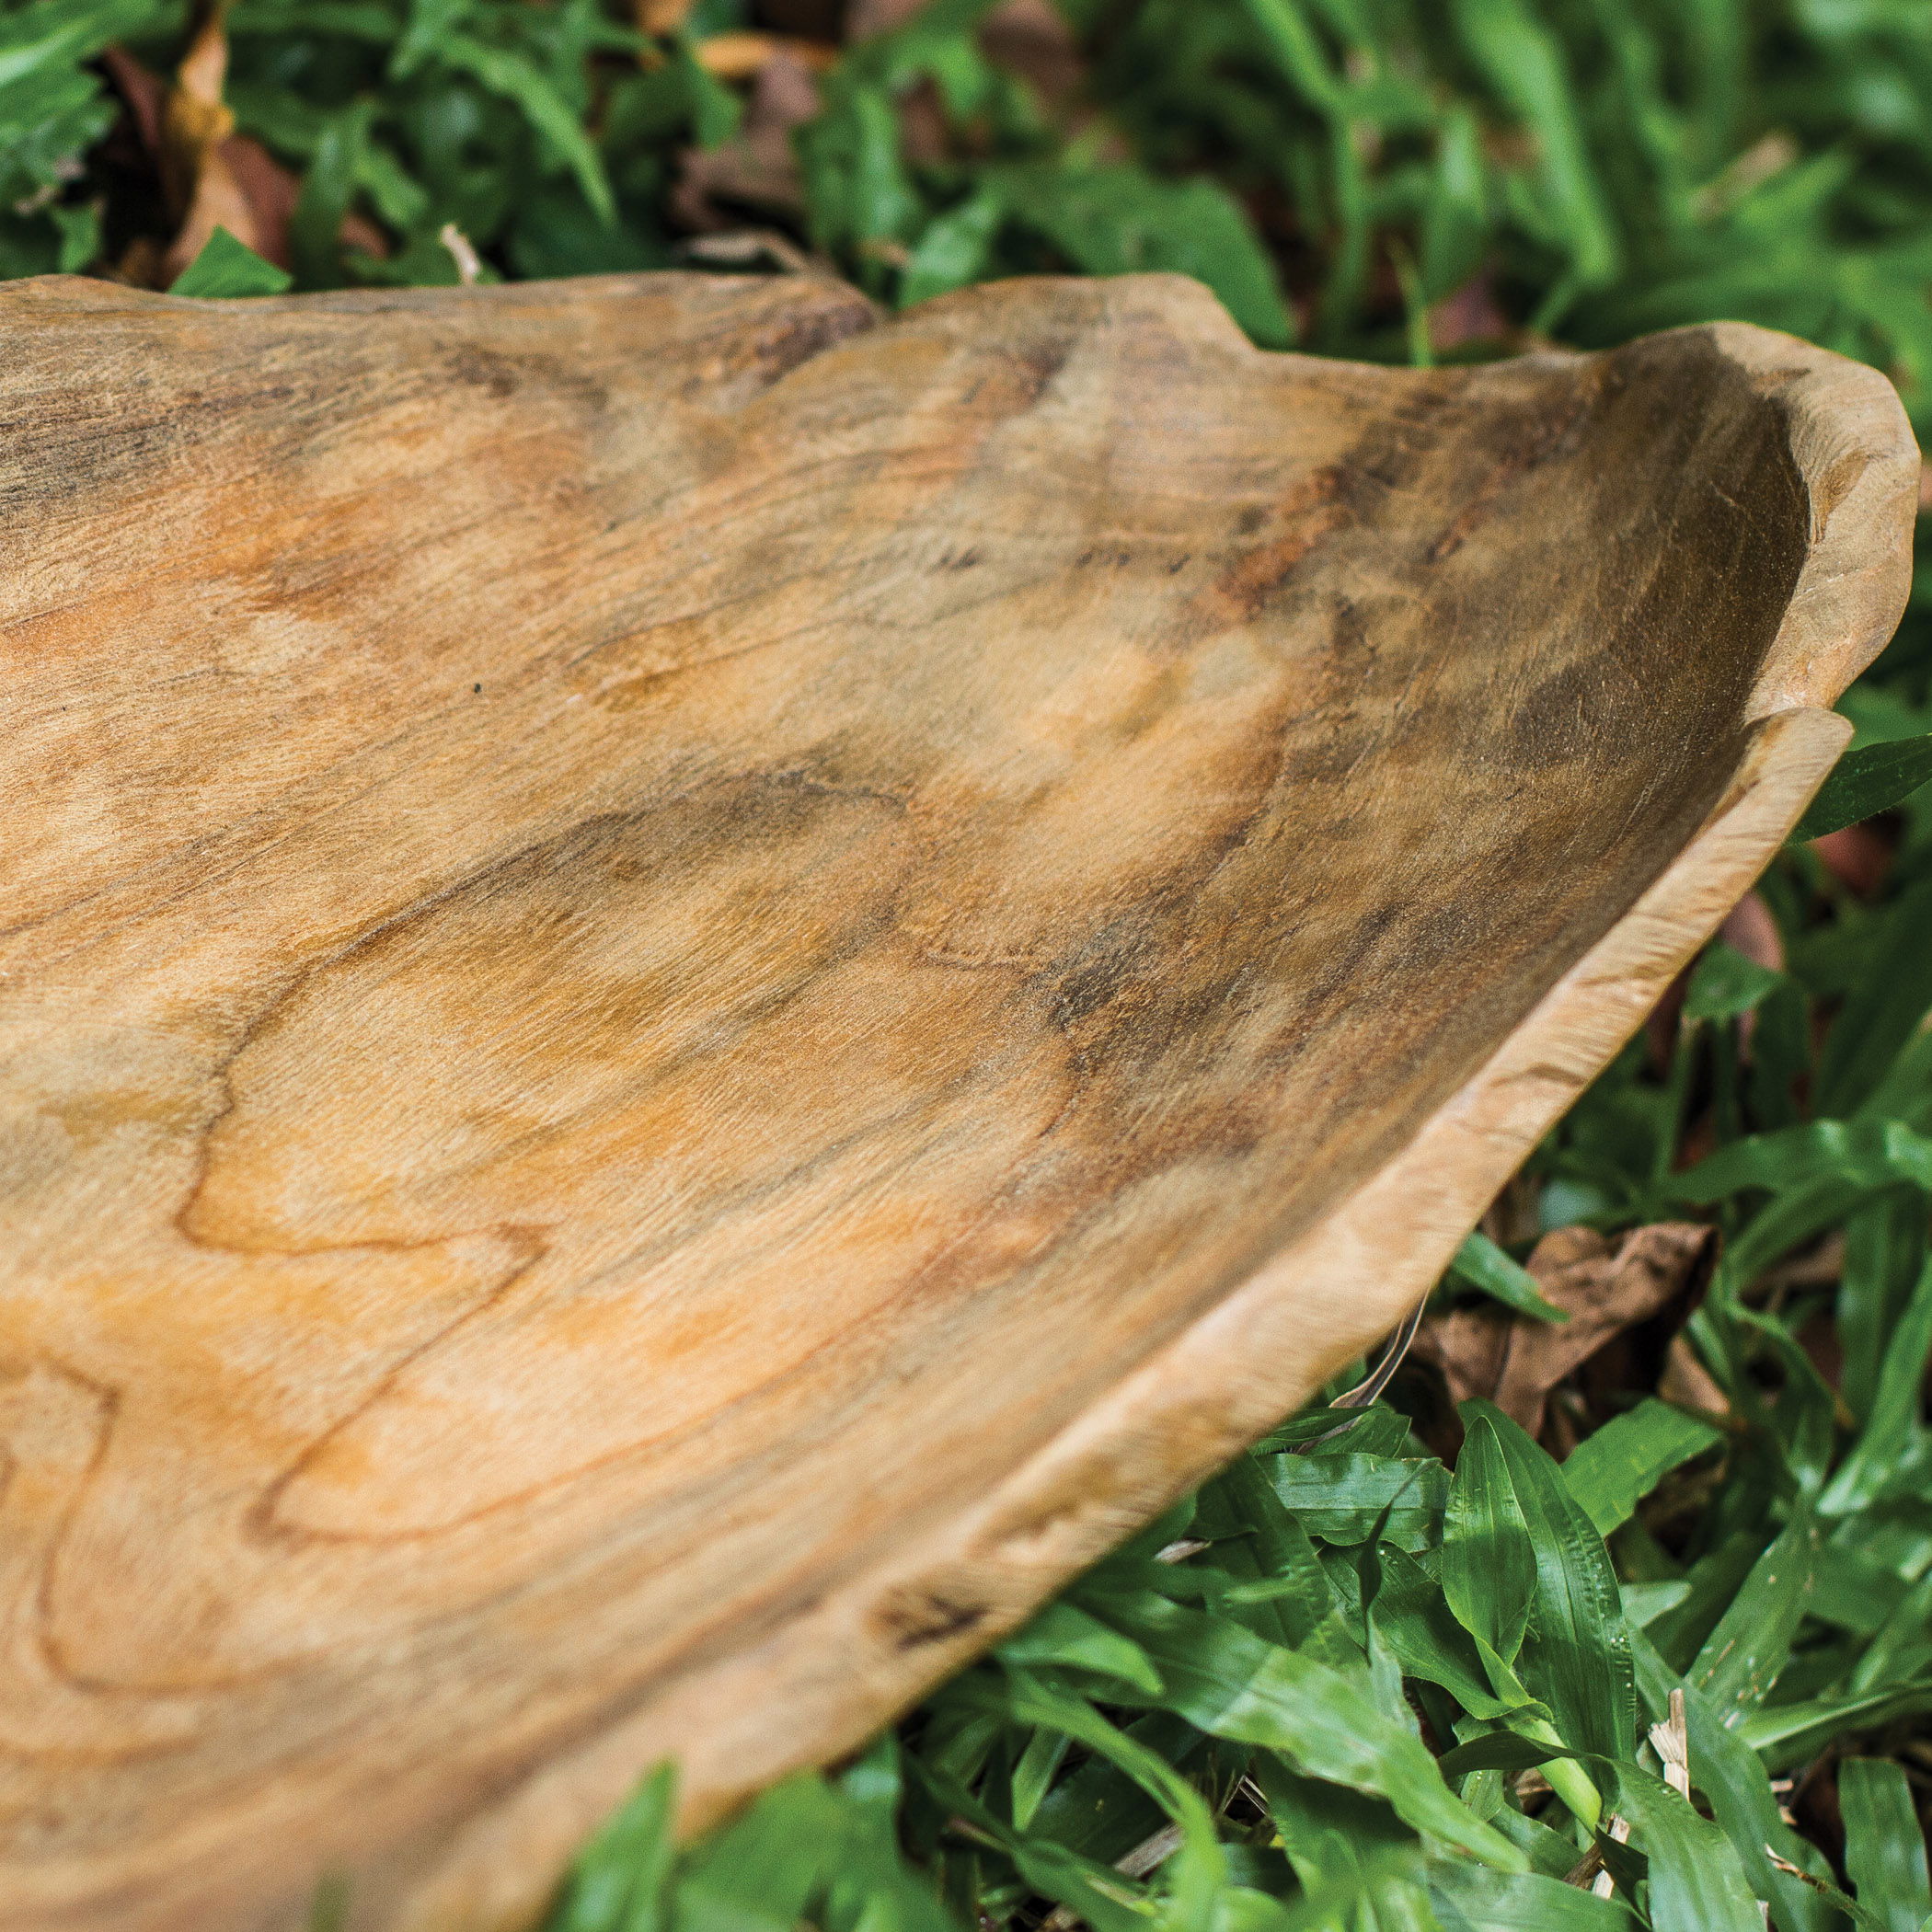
column 697, row 986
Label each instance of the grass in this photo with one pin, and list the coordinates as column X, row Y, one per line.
column 1397, row 1668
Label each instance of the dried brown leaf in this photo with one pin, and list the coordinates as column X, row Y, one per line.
column 211, row 176
column 1648, row 1279
column 1032, row 40
column 197, row 184
column 143, row 93
column 1686, row 1382
column 1749, row 928
column 197, row 170
column 1858, row 856
column 744, row 56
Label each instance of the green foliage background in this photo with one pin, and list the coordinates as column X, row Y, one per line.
column 1307, row 1698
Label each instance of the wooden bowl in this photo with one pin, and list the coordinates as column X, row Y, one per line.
column 696, row 986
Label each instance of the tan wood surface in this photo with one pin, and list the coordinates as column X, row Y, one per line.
column 694, row 986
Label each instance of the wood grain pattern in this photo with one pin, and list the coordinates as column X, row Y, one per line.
column 694, row 987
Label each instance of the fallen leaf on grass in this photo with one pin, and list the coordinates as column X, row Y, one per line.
column 756, row 167
column 1624, row 1299
column 1687, row 1383
column 742, row 56
column 196, row 126
column 1031, row 39
column 757, row 171
column 211, row 176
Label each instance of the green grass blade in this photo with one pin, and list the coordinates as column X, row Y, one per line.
column 1884, row 1843
column 619, row 1883
column 1742, row 1659
column 1885, row 1246
column 226, row 268
column 1894, row 1425
column 1471, row 1898
column 1489, row 1561
column 518, row 81
column 1883, row 1009
column 1335, row 1837
column 1340, row 1498
column 1697, row 1883
column 1793, row 1734
column 1063, row 1635
column 1524, row 61
column 1734, row 1782
column 316, row 227
column 1480, row 1264
column 1281, row 1593
column 1199, row 1872
column 1577, row 1658
column 761, row 1871
column 1611, row 1471
column 1226, row 1681
column 1866, row 782
column 1726, row 984
column 1093, row 1891
column 1416, row 1623
column 954, row 249
column 871, row 1887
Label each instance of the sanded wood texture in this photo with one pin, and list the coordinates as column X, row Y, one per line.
column 695, row 985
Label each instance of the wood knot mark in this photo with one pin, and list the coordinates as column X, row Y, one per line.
column 795, row 341
column 915, row 1618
